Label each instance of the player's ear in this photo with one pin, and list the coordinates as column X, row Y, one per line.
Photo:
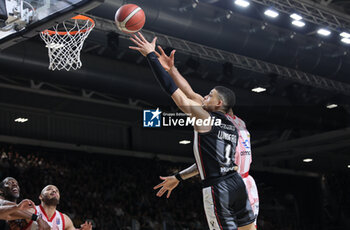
column 220, row 103
column 40, row 197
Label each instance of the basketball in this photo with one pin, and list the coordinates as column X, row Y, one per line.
column 130, row 18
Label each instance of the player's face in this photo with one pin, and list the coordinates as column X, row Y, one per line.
column 11, row 188
column 50, row 195
column 212, row 101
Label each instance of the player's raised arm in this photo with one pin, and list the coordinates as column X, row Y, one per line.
column 187, row 105
column 168, row 64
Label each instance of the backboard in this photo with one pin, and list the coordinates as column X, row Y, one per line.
column 23, row 19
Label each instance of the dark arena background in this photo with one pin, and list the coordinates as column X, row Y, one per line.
column 83, row 131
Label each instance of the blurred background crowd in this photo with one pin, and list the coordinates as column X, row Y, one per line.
column 116, row 192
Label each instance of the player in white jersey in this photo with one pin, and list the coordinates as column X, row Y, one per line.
column 243, row 157
column 50, row 197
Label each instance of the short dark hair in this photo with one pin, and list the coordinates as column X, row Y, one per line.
column 227, row 96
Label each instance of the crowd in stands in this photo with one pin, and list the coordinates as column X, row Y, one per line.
column 116, row 192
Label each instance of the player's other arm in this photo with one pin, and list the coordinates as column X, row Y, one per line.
column 168, row 64
column 171, row 182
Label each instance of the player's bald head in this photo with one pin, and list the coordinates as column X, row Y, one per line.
column 47, row 187
column 50, row 195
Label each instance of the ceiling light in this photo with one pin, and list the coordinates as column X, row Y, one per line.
column 332, row 106
column 324, row 32
column 184, row 142
column 298, row 23
column 345, row 40
column 258, row 89
column 242, row 3
column 348, row 166
column 345, row 35
column 21, row 120
column 296, row 17
column 307, row 160
column 271, row 13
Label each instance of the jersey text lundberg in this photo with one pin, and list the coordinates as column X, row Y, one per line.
column 215, row 151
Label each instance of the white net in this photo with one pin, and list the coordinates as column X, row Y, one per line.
column 65, row 41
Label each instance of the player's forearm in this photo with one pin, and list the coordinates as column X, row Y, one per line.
column 189, row 172
column 6, row 210
column 181, row 82
column 164, row 79
column 21, row 214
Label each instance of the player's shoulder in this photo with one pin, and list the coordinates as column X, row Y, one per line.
column 239, row 120
column 67, row 219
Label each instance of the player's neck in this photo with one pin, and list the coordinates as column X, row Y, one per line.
column 49, row 210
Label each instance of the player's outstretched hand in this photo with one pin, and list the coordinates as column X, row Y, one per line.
column 168, row 184
column 42, row 224
column 143, row 46
column 86, row 226
column 25, row 204
column 166, row 61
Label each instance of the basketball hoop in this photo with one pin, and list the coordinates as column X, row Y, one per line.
column 65, row 41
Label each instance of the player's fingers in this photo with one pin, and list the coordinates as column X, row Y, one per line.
column 158, row 55
column 154, row 40
column 168, row 195
column 172, row 54
column 159, row 185
column 142, row 37
column 163, row 177
column 138, row 39
column 136, row 42
column 161, row 50
column 161, row 192
column 134, row 48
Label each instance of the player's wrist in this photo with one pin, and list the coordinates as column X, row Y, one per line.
column 178, row 177
column 34, row 217
column 172, row 69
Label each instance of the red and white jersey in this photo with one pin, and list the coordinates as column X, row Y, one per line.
column 56, row 222
column 243, row 156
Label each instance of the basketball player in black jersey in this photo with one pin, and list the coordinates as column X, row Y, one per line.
column 225, row 197
column 18, row 219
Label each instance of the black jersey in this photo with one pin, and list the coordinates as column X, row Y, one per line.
column 215, row 150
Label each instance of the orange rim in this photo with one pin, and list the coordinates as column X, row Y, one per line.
column 79, row 17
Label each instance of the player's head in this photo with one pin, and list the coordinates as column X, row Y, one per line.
column 50, row 195
column 9, row 189
column 219, row 98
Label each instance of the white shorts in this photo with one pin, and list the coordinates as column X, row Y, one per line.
column 252, row 195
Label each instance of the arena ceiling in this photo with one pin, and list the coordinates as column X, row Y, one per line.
column 288, row 122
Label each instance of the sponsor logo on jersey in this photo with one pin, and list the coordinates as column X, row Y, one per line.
column 245, row 153
column 227, row 136
column 228, row 127
column 227, row 169
column 212, row 223
column 151, row 118
column 246, row 144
